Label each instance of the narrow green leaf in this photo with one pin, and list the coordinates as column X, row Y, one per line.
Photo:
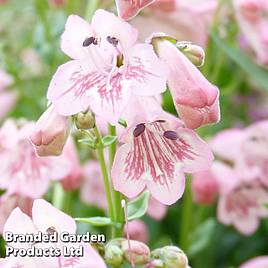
column 258, row 74
column 138, row 207
column 89, row 142
column 96, row 221
column 108, row 140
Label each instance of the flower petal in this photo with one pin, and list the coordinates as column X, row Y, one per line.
column 75, row 33
column 168, row 193
column 114, row 27
column 25, row 226
column 147, row 73
column 197, row 154
column 46, row 216
column 129, row 9
column 70, row 87
column 125, row 179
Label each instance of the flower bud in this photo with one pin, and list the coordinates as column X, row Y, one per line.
column 50, row 133
column 84, row 120
column 155, row 264
column 193, row 52
column 138, row 253
column 174, row 257
column 113, row 255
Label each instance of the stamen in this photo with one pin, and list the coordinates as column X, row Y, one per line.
column 140, row 128
column 51, row 230
column 112, row 40
column 171, row 135
column 90, row 40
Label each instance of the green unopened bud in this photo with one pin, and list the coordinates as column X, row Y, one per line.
column 138, row 253
column 113, row 255
column 193, row 52
column 174, row 257
column 84, row 120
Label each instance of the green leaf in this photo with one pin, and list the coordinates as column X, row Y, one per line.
column 108, row 140
column 258, row 74
column 89, row 142
column 138, row 207
column 96, row 221
column 201, row 237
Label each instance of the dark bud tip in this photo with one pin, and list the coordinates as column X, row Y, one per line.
column 140, row 128
column 89, row 41
column 171, row 135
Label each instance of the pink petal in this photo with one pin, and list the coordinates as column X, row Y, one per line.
column 128, row 9
column 46, row 216
column 114, row 27
column 68, row 87
column 90, row 259
column 7, row 102
column 258, row 262
column 231, row 139
column 148, row 73
column 156, row 210
column 198, row 155
column 168, row 193
column 120, row 175
column 25, row 226
column 75, row 33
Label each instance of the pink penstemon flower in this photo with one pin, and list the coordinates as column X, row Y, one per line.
column 108, row 67
column 155, row 155
column 47, row 219
column 195, row 98
column 23, row 172
column 128, row 9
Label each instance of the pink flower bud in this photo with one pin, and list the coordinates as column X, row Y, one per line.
column 138, row 231
column 50, row 133
column 195, row 98
column 138, row 253
column 205, row 187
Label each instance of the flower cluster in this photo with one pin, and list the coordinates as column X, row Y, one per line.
column 239, row 177
column 117, row 78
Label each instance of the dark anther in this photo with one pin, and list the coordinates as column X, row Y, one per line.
column 51, row 230
column 138, row 130
column 112, row 40
column 90, row 40
column 160, row 121
column 171, row 135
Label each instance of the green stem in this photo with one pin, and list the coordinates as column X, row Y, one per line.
column 119, row 213
column 62, row 199
column 105, row 175
column 186, row 216
column 92, row 5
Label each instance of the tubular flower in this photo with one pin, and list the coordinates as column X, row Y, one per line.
column 155, row 156
column 128, row 9
column 50, row 133
column 195, row 98
column 107, row 68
